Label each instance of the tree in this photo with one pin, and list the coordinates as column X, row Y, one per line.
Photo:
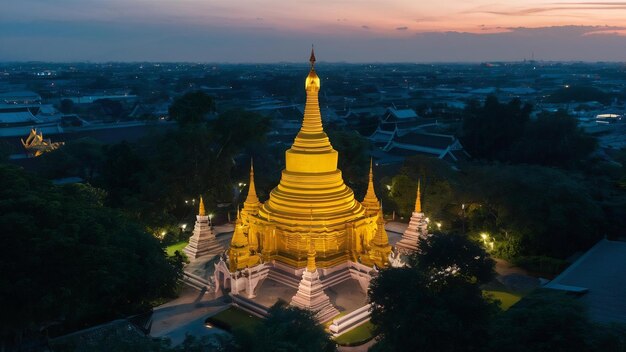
column 71, row 262
column 288, row 329
column 191, row 108
column 441, row 254
column 553, row 139
column 542, row 211
column 489, row 130
column 436, row 304
column 82, row 157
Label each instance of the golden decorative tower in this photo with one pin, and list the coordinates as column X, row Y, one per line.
column 311, row 200
column 201, row 210
column 239, row 252
column 252, row 204
column 418, row 199
column 379, row 246
column 370, row 202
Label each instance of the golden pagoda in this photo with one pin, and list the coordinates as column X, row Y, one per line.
column 239, row 253
column 370, row 202
column 310, row 202
column 379, row 245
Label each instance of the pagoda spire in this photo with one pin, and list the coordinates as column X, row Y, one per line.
column 252, row 198
column 201, row 210
column 381, row 238
column 370, row 201
column 379, row 245
column 418, row 200
column 311, row 136
column 239, row 238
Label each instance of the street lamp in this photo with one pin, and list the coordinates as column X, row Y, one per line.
column 439, row 226
column 210, row 217
column 183, row 226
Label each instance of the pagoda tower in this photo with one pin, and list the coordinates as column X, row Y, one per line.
column 418, row 227
column 370, row 202
column 311, row 201
column 239, row 255
column 379, row 245
column 202, row 242
column 252, row 204
column 311, row 294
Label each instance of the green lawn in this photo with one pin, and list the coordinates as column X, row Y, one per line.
column 234, row 318
column 357, row 336
column 175, row 247
column 506, row 299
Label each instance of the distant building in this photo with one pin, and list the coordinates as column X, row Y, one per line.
column 20, row 97
column 442, row 146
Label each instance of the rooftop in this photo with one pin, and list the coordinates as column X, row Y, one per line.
column 602, row 271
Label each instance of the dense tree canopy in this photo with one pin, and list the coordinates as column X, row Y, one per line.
column 490, row 129
column 191, row 108
column 552, row 139
column 541, row 211
column 70, row 261
column 435, row 304
column 505, row 132
column 288, row 329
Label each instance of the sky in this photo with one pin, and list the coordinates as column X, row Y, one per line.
column 283, row 30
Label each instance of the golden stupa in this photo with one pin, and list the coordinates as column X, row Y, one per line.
column 311, row 204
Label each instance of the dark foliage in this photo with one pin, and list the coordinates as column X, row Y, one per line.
column 286, row 329
column 69, row 261
column 427, row 307
column 505, row 132
column 191, row 108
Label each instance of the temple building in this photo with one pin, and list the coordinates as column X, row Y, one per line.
column 311, row 220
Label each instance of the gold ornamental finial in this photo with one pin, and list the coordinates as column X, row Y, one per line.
column 418, row 200
column 201, row 210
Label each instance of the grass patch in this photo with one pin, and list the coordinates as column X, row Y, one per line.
column 357, row 336
column 234, row 318
column 506, row 299
column 171, row 249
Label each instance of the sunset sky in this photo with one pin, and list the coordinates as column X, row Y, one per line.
column 343, row 30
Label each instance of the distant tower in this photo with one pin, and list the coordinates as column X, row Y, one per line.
column 203, row 241
column 418, row 227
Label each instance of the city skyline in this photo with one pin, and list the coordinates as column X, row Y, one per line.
column 344, row 31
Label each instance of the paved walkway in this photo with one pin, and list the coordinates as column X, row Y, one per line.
column 186, row 314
